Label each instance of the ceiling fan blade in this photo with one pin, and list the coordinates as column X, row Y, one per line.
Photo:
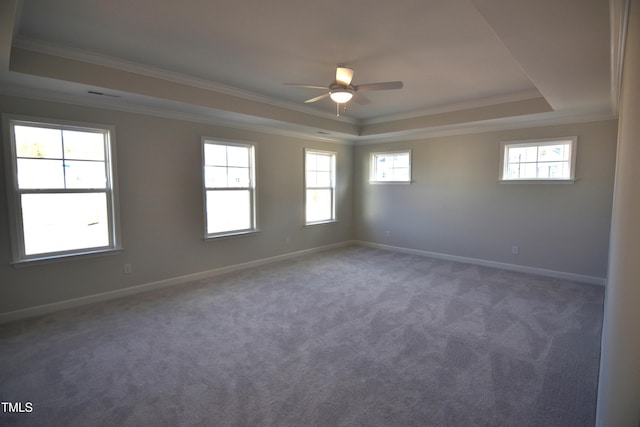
column 344, row 75
column 305, row 85
column 378, row 86
column 361, row 99
column 317, row 98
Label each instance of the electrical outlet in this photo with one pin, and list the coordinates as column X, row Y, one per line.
column 126, row 268
column 515, row 250
column 387, row 233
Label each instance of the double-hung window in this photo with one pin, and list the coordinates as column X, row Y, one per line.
column 62, row 188
column 391, row 167
column 229, row 188
column 539, row 160
column 320, row 186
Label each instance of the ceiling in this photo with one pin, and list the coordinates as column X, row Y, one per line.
column 465, row 64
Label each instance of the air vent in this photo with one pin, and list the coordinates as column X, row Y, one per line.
column 110, row 95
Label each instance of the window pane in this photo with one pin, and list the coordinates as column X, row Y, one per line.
column 312, row 180
column 401, row 160
column 550, row 153
column 82, row 174
column 323, row 162
column 38, row 142
column 514, row 171
column 238, row 156
column 401, row 174
column 323, row 179
column 311, row 162
column 523, row 154
column 319, row 205
column 80, row 145
column 62, row 222
column 215, row 176
column 40, row 173
column 543, row 170
column 228, row 210
column 553, row 170
column 382, row 168
column 529, row 170
column 238, row 177
column 215, row 154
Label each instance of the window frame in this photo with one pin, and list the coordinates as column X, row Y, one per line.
column 14, row 193
column 252, row 188
column 372, row 167
column 540, row 142
column 332, row 188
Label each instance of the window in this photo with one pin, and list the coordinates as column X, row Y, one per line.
column 320, row 185
column 229, row 188
column 62, row 190
column 391, row 167
column 539, row 160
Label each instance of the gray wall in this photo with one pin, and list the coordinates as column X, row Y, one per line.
column 161, row 208
column 457, row 207
column 619, row 386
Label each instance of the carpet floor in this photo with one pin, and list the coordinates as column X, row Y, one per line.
column 348, row 337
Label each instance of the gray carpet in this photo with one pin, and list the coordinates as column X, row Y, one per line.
column 348, row 337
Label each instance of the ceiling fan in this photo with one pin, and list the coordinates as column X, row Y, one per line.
column 341, row 90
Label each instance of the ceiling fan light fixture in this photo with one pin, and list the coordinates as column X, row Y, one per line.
column 341, row 96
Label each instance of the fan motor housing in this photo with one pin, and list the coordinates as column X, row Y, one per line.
column 337, row 87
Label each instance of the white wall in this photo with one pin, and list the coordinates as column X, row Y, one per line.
column 457, row 207
column 161, row 209
column 619, row 386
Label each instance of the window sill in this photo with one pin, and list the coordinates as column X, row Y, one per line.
column 65, row 257
column 390, row 182
column 312, row 224
column 537, row 181
column 231, row 235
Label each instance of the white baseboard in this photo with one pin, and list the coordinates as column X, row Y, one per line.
column 485, row 263
column 105, row 296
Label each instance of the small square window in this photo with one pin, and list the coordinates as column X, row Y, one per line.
column 539, row 160
column 391, row 167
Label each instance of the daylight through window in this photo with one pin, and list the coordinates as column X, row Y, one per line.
column 229, row 187
column 391, row 167
column 320, row 184
column 539, row 160
column 64, row 201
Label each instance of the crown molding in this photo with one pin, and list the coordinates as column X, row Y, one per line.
column 619, row 17
column 494, row 125
column 459, row 106
column 67, row 52
column 221, row 119
column 231, row 121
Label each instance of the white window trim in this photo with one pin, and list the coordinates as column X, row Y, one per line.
column 573, row 146
column 253, row 188
column 19, row 256
column 372, row 163
column 332, row 188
